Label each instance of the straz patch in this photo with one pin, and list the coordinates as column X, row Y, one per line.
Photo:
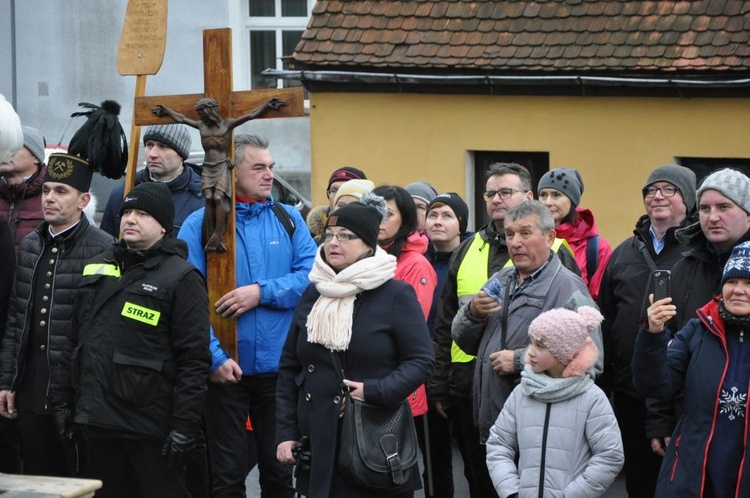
column 141, row 314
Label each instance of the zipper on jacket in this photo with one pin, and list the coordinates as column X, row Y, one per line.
column 676, row 458
column 543, row 459
column 742, row 336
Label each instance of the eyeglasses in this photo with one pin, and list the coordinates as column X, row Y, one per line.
column 504, row 193
column 666, row 191
column 341, row 236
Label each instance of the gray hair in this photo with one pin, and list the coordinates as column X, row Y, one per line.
column 544, row 220
column 498, row 169
column 246, row 140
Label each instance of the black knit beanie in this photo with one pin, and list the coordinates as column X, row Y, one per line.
column 153, row 198
column 361, row 219
column 459, row 207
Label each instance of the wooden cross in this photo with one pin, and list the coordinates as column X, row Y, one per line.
column 217, row 82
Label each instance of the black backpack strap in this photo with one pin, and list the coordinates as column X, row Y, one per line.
column 592, row 256
column 284, row 218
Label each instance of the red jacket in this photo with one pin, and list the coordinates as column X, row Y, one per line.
column 414, row 269
column 22, row 205
column 577, row 235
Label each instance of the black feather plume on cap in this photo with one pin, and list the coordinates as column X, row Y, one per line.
column 101, row 140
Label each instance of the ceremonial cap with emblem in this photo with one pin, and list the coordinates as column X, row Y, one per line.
column 99, row 145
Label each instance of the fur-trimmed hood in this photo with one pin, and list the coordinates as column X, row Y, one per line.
column 317, row 219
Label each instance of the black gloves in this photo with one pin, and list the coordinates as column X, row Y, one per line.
column 64, row 422
column 302, row 453
column 178, row 446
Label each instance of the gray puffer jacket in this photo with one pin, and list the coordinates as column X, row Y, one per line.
column 554, row 287
column 571, row 448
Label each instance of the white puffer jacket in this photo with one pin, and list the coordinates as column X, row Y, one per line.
column 576, row 445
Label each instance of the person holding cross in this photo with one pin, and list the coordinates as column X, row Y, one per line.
column 216, row 182
column 272, row 273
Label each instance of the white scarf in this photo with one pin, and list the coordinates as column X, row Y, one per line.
column 330, row 320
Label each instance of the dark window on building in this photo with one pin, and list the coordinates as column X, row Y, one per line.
column 536, row 162
column 262, row 56
column 704, row 166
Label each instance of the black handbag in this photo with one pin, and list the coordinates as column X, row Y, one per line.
column 378, row 444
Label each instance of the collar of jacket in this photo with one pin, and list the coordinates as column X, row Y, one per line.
column 152, row 257
column 68, row 238
column 19, row 191
column 250, row 209
column 490, row 235
column 709, row 316
column 180, row 183
column 643, row 226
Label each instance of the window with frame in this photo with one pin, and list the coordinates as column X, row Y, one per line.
column 536, row 162
column 274, row 27
column 704, row 166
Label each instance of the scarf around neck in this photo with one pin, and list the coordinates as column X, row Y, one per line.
column 547, row 389
column 330, row 320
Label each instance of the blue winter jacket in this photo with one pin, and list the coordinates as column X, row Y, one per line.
column 266, row 256
column 697, row 363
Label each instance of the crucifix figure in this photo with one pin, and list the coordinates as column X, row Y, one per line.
column 217, row 78
column 216, row 182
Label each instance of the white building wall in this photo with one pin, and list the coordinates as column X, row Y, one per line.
column 66, row 53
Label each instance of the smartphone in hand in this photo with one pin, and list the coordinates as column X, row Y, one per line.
column 662, row 284
column 494, row 289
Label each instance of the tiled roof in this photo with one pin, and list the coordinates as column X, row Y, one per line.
column 541, row 36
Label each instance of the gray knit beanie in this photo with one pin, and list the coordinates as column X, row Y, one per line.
column 34, row 141
column 421, row 190
column 175, row 136
column 566, row 180
column 729, row 183
column 681, row 177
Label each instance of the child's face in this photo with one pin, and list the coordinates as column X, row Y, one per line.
column 542, row 361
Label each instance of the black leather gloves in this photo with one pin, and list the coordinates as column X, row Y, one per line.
column 64, row 422
column 178, row 446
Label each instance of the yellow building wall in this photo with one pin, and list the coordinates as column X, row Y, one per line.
column 613, row 142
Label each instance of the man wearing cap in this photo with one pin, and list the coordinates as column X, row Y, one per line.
column 723, row 222
column 50, row 261
column 669, row 200
column 21, row 186
column 272, row 270
column 422, row 193
column 133, row 376
column 167, row 148
column 472, row 263
column 318, row 216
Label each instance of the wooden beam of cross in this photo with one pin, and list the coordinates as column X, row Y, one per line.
column 217, row 81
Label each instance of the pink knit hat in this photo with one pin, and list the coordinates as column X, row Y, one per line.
column 565, row 333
